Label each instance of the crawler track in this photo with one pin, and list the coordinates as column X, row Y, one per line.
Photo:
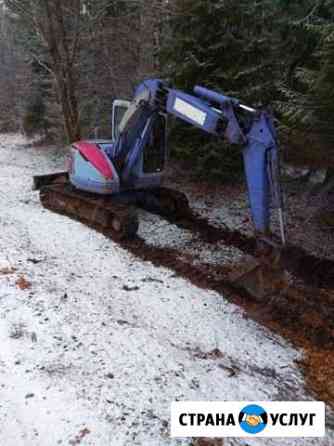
column 119, row 220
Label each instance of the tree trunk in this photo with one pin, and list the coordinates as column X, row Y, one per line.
column 63, row 50
column 66, row 89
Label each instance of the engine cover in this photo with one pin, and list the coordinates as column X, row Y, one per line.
column 91, row 169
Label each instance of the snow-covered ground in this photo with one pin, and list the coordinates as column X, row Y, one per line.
column 97, row 344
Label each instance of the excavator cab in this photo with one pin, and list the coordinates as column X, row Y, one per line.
column 148, row 168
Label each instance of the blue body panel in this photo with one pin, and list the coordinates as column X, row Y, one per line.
column 193, row 110
column 261, row 147
column 152, row 87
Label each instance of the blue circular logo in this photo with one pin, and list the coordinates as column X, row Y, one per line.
column 253, row 419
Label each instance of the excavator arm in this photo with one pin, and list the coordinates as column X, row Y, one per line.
column 216, row 114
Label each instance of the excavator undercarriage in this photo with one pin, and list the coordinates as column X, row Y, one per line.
column 115, row 215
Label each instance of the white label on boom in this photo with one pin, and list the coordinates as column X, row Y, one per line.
column 189, row 111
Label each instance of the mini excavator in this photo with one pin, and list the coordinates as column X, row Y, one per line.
column 107, row 180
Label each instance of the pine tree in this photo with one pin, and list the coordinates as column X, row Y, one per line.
column 324, row 101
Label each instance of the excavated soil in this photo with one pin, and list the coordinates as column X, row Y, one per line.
column 319, row 365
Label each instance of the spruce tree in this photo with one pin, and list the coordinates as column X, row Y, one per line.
column 227, row 46
column 306, row 102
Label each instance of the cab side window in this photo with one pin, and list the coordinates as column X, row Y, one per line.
column 154, row 155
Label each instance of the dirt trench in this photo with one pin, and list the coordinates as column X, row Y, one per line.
column 314, row 271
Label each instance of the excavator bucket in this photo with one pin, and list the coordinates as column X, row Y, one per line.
column 262, row 278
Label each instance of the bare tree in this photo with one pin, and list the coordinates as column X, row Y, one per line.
column 56, row 25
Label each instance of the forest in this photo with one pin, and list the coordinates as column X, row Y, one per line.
column 64, row 62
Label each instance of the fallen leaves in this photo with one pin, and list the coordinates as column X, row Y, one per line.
column 7, row 271
column 81, row 435
column 23, row 283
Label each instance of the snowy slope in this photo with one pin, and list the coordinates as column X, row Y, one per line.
column 84, row 360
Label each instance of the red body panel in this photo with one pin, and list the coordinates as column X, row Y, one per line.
column 95, row 156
